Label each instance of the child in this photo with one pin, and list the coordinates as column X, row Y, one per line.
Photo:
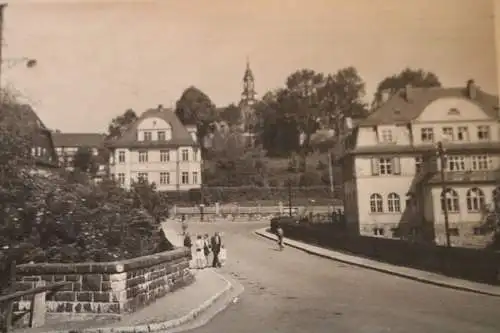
column 222, row 255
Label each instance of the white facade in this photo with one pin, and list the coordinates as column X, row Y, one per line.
column 170, row 167
column 380, row 177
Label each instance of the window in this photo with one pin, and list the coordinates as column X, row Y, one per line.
column 376, row 203
column 483, row 133
column 386, row 135
column 386, row 166
column 463, row 133
column 161, row 136
column 450, row 198
column 164, row 156
column 418, row 164
column 496, row 199
column 448, row 133
column 456, row 163
column 185, row 155
column 143, row 157
column 142, row 176
column 195, row 177
column 164, row 178
column 147, row 136
column 427, row 135
column 393, row 203
column 480, row 162
column 475, row 200
column 121, row 157
column 185, row 178
column 121, row 178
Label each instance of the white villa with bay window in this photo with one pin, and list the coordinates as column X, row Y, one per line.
column 160, row 149
column 392, row 173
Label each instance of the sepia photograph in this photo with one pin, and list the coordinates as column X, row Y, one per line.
column 283, row 166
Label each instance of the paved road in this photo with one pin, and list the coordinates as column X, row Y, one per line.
column 292, row 291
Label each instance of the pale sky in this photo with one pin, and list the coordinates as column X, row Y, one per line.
column 98, row 58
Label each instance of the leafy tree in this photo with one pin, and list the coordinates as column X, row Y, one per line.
column 85, row 161
column 231, row 114
column 119, row 124
column 417, row 78
column 195, row 107
column 342, row 96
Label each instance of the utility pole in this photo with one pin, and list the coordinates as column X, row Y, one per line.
column 290, row 197
column 442, row 159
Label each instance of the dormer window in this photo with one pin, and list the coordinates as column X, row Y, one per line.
column 453, row 112
column 148, row 136
column 386, row 136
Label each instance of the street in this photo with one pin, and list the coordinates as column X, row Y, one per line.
column 292, row 291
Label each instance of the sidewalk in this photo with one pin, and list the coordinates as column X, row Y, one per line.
column 173, row 310
column 406, row 272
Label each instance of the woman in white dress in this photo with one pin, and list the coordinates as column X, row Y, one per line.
column 199, row 244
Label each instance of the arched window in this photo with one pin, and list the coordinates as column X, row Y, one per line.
column 393, row 203
column 376, row 203
column 450, row 198
column 475, row 200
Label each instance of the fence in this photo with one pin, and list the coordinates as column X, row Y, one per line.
column 37, row 307
column 471, row 264
column 253, row 196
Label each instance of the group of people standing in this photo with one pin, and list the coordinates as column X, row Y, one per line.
column 203, row 247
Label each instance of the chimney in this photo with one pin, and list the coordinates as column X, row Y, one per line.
column 407, row 93
column 471, row 89
column 386, row 94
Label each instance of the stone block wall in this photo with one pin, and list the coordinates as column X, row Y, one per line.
column 107, row 288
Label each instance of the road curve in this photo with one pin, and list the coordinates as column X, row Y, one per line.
column 292, row 291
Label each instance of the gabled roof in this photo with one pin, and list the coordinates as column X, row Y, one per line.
column 180, row 135
column 399, row 110
column 78, row 139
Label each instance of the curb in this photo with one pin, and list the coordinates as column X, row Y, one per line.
column 265, row 234
column 161, row 326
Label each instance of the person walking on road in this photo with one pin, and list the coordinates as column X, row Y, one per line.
column 199, row 255
column 206, row 248
column 279, row 232
column 216, row 247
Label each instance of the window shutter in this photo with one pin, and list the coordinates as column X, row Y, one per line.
column 396, row 165
column 375, row 167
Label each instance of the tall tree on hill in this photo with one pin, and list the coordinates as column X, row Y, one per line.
column 231, row 114
column 119, row 124
column 195, row 107
column 341, row 97
column 417, row 78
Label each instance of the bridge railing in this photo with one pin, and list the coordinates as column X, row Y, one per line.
column 37, row 307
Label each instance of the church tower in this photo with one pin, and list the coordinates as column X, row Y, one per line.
column 248, row 94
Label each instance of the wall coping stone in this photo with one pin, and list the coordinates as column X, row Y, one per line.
column 101, row 267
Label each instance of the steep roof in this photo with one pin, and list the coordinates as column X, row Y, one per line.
column 399, row 110
column 78, row 139
column 180, row 135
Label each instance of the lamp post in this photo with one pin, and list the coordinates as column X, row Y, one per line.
column 441, row 152
column 290, row 197
column 202, row 211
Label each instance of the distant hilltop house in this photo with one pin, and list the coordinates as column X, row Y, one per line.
column 391, row 169
column 157, row 148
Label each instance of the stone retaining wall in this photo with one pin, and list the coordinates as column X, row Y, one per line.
column 107, row 288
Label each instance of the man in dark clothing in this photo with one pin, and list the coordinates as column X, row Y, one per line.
column 216, row 243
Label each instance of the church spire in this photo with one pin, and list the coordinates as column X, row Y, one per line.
column 248, row 94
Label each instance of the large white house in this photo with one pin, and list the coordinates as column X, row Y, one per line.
column 391, row 166
column 160, row 149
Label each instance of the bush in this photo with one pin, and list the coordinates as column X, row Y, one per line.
column 49, row 215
